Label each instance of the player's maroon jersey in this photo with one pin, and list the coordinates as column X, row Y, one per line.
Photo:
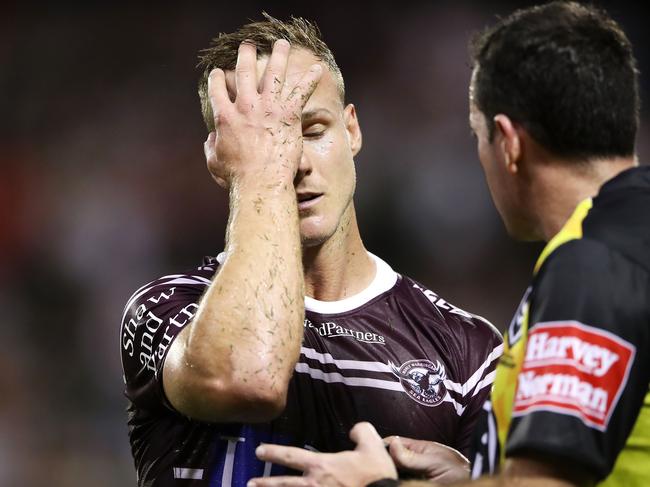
column 396, row 355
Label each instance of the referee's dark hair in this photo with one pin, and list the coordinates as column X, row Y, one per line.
column 565, row 72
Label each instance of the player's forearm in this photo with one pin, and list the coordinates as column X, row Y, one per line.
column 247, row 333
column 260, row 284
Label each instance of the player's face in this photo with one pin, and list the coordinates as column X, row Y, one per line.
column 326, row 178
column 502, row 184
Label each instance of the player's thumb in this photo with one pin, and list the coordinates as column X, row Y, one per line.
column 401, row 455
column 365, row 436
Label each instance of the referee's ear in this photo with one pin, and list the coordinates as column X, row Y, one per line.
column 508, row 141
column 352, row 128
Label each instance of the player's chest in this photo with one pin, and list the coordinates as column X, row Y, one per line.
column 374, row 356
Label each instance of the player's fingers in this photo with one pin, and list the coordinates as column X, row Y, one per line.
column 303, row 89
column 365, row 436
column 418, row 446
column 288, row 481
column 404, row 441
column 218, row 93
column 276, row 69
column 401, row 455
column 246, row 71
column 289, row 456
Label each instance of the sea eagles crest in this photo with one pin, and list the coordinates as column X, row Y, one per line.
column 422, row 380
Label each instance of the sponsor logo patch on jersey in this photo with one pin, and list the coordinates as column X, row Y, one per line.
column 572, row 368
column 329, row 329
column 422, row 380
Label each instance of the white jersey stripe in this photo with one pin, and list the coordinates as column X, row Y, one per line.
column 326, row 358
column 459, row 409
column 170, row 276
column 334, row 377
column 464, row 389
column 467, row 387
column 188, row 473
column 178, row 280
column 487, row 381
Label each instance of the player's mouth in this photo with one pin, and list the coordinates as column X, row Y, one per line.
column 308, row 199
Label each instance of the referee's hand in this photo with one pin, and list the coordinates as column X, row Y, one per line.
column 428, row 459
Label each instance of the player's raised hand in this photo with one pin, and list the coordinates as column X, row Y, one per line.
column 259, row 134
column 367, row 463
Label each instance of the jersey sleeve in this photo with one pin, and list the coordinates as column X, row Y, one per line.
column 152, row 319
column 585, row 370
column 486, row 344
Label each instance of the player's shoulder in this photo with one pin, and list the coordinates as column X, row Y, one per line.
column 463, row 321
column 190, row 281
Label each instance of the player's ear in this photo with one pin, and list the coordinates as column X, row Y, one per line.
column 508, row 140
column 352, row 128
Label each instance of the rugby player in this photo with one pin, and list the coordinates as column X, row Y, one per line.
column 295, row 331
column 554, row 106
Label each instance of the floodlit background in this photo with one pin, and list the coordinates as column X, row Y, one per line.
column 103, row 187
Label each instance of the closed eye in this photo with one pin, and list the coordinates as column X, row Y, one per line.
column 314, row 131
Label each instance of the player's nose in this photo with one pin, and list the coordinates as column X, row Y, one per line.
column 304, row 167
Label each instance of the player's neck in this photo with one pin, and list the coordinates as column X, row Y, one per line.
column 563, row 186
column 340, row 267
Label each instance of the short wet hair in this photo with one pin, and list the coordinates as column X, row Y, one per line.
column 223, row 49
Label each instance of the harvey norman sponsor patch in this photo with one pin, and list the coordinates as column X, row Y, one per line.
column 572, row 368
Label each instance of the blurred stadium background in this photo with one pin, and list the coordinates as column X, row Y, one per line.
column 103, row 187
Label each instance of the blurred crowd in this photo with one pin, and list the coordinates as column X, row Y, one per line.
column 103, row 187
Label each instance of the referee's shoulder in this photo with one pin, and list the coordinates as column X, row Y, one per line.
column 579, row 260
